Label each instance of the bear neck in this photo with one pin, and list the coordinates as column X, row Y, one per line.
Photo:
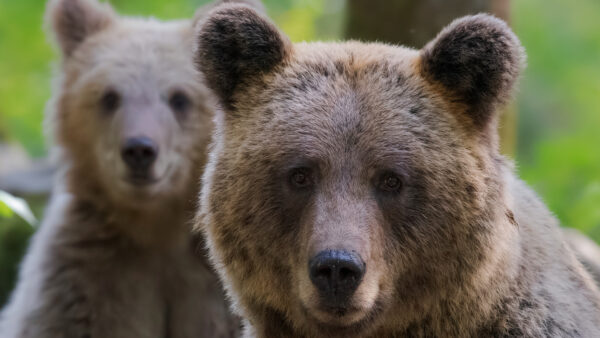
column 162, row 224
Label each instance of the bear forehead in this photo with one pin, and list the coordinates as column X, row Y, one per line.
column 136, row 54
column 363, row 96
column 138, row 41
column 354, row 54
column 374, row 82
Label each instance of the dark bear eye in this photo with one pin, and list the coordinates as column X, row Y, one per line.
column 110, row 101
column 179, row 102
column 301, row 178
column 389, row 182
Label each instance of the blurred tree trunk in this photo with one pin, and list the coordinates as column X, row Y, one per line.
column 413, row 23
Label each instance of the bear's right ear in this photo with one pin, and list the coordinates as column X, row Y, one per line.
column 234, row 44
column 476, row 61
column 75, row 20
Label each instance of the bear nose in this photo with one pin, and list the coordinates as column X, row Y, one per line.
column 139, row 153
column 336, row 274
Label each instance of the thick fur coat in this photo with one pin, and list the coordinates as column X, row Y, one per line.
column 113, row 256
column 390, row 155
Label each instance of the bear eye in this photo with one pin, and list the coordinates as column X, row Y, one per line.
column 301, row 178
column 179, row 102
column 110, row 101
column 389, row 182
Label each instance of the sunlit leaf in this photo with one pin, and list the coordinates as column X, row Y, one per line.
column 5, row 211
column 17, row 205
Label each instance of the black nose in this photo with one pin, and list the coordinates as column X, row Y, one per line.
column 139, row 153
column 336, row 274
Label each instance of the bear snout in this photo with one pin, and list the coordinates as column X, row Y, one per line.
column 336, row 274
column 139, row 153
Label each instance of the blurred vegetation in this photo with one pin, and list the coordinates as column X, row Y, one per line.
column 558, row 143
column 559, row 107
column 14, row 235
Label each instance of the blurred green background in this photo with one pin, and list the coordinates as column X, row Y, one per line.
column 558, row 104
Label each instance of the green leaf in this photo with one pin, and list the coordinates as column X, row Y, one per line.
column 18, row 206
column 5, row 211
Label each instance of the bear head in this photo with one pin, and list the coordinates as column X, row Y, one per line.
column 355, row 188
column 130, row 114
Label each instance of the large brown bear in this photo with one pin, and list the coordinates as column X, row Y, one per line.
column 356, row 189
column 131, row 120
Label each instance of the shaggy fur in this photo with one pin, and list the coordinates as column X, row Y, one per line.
column 586, row 250
column 461, row 249
column 112, row 258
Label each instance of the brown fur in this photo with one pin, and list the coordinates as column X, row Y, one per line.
column 112, row 258
column 463, row 249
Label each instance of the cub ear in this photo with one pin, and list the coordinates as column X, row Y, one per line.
column 476, row 60
column 235, row 44
column 72, row 21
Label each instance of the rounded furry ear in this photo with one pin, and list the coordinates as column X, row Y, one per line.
column 235, row 43
column 476, row 60
column 72, row 21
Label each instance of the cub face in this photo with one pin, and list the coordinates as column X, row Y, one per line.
column 353, row 187
column 131, row 109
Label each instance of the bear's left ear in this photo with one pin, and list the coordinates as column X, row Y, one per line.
column 75, row 20
column 476, row 61
column 235, row 45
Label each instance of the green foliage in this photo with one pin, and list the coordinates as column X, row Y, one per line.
column 559, row 107
column 24, row 73
column 11, row 205
column 14, row 235
column 5, row 211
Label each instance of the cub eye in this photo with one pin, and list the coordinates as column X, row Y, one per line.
column 179, row 102
column 301, row 178
column 110, row 101
column 389, row 182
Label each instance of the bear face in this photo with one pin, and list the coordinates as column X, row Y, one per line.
column 356, row 188
column 130, row 113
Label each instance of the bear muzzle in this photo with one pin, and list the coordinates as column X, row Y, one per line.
column 139, row 154
column 336, row 274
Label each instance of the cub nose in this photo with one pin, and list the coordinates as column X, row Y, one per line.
column 139, row 153
column 336, row 274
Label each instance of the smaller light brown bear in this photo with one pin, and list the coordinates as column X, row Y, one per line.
column 356, row 189
column 131, row 120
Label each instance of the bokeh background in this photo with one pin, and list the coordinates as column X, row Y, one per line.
column 555, row 138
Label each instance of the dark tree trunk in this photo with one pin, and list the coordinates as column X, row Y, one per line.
column 407, row 22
